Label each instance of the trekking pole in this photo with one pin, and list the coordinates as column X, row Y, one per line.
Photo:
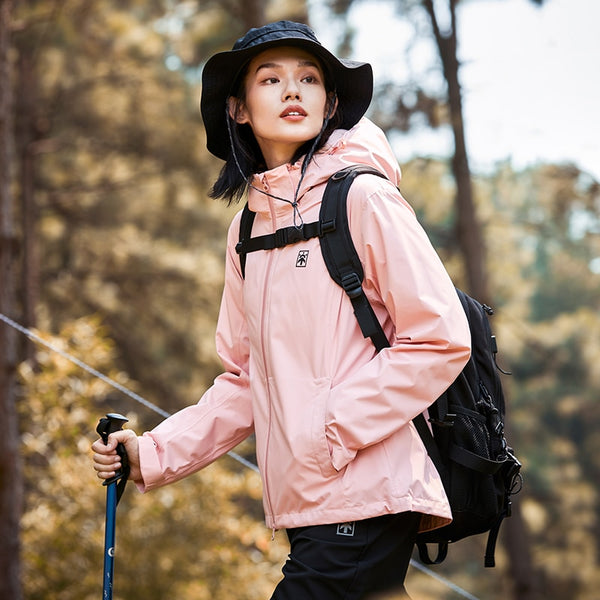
column 114, row 490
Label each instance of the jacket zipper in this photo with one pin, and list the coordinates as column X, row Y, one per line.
column 263, row 331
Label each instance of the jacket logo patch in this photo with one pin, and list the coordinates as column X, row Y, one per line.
column 346, row 529
column 302, row 259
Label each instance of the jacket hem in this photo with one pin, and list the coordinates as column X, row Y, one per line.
column 434, row 515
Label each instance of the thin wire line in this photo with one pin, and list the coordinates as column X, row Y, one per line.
column 446, row 582
column 30, row 334
column 115, row 384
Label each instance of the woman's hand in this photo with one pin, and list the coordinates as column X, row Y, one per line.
column 106, row 460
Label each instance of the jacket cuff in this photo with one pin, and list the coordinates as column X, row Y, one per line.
column 152, row 476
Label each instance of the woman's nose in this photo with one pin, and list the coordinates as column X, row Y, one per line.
column 291, row 91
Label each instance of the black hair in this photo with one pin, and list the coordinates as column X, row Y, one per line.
column 245, row 156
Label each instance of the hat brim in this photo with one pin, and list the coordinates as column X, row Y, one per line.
column 353, row 81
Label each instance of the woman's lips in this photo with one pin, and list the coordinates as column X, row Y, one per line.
column 293, row 112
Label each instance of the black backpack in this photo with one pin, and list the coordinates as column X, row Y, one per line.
column 478, row 469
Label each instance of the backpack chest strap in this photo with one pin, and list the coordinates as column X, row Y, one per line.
column 285, row 236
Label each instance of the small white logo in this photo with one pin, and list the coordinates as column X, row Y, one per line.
column 111, row 551
column 346, row 529
column 302, row 259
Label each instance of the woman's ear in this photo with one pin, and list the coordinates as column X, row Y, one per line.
column 237, row 110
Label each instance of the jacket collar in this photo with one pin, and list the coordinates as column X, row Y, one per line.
column 365, row 143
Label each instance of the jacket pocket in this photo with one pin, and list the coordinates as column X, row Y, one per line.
column 322, row 451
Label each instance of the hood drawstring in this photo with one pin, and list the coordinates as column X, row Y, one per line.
column 298, row 221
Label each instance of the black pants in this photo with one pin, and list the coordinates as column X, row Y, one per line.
column 348, row 561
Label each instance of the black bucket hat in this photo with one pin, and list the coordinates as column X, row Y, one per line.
column 353, row 80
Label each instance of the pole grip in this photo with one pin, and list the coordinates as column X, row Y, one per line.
column 115, row 485
column 109, row 424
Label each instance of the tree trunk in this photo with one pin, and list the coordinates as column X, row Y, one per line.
column 526, row 585
column 470, row 238
column 26, row 135
column 11, row 482
column 526, row 581
column 253, row 13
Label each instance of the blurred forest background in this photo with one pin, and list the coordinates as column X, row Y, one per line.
column 111, row 250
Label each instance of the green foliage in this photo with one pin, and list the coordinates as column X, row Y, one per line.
column 121, row 181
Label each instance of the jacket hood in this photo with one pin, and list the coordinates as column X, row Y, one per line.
column 365, row 143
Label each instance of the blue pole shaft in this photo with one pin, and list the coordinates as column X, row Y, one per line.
column 109, row 540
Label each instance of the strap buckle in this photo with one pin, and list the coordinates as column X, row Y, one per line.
column 289, row 235
column 326, row 227
column 352, row 285
column 447, row 421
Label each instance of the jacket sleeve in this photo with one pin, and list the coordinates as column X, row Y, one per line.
column 197, row 435
column 417, row 304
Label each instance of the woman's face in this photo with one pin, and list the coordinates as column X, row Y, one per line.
column 285, row 101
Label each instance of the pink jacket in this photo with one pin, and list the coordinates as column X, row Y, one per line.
column 332, row 418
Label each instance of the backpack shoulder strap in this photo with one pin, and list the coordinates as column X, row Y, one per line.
column 246, row 222
column 345, row 268
column 340, row 255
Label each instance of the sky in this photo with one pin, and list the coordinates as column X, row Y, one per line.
column 530, row 77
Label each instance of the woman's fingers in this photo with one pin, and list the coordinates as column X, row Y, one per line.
column 106, row 465
column 106, row 460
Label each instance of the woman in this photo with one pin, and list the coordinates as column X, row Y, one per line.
column 343, row 468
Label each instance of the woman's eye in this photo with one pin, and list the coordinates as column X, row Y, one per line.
column 310, row 79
